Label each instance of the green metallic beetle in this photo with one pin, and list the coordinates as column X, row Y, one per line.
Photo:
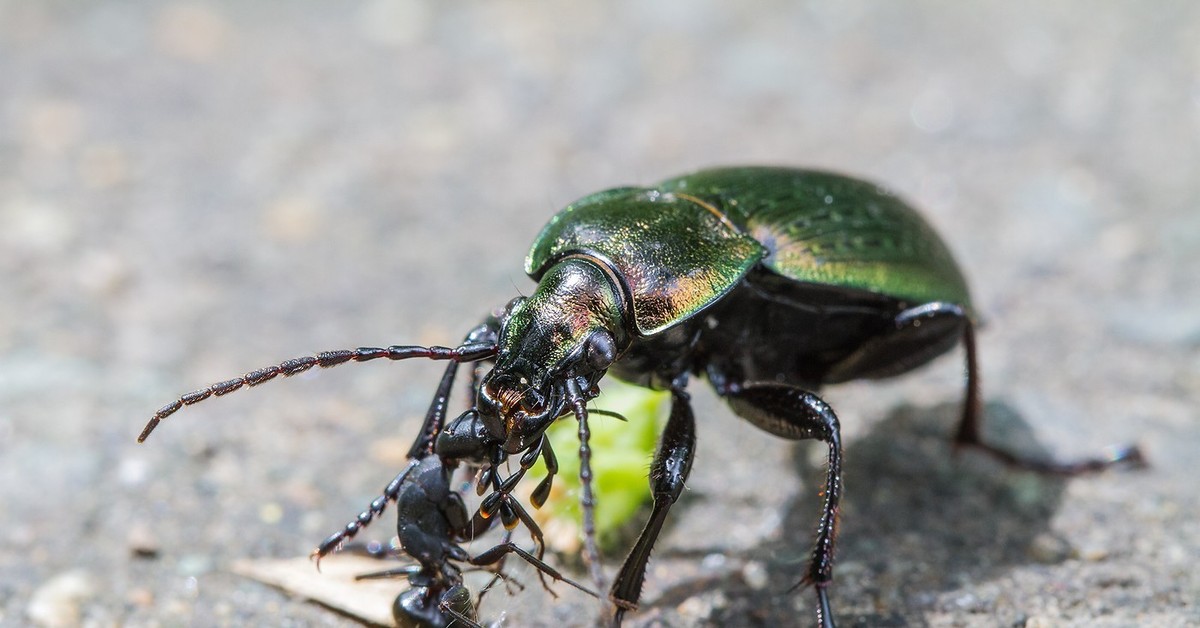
column 767, row 282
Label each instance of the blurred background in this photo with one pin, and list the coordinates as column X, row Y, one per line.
column 189, row 190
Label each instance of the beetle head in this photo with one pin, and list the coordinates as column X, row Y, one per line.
column 569, row 328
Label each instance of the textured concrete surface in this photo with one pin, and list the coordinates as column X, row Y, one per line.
column 192, row 190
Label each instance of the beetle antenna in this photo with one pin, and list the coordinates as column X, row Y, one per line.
column 576, row 398
column 472, row 352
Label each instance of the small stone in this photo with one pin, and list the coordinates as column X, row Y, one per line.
column 270, row 513
column 292, row 220
column 1049, row 549
column 697, row 608
column 133, row 471
column 142, row 541
column 755, row 574
column 193, row 564
column 713, row 561
column 57, row 602
column 140, row 597
column 1093, row 553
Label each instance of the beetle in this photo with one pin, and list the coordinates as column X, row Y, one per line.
column 768, row 282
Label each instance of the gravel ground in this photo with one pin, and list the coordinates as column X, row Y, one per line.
column 192, row 190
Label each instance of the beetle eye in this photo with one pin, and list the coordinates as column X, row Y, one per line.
column 601, row 351
column 512, row 306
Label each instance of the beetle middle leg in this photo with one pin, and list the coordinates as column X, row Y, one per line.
column 795, row 413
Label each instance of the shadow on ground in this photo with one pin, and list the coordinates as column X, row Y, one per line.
column 917, row 520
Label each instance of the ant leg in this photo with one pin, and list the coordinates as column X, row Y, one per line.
column 370, row 549
column 498, row 575
column 501, row 496
column 795, row 413
column 670, row 470
column 364, row 518
column 969, row 432
column 435, row 419
column 542, row 449
column 406, row 570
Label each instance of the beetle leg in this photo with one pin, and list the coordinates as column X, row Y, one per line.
column 921, row 333
column 969, row 433
column 670, row 470
column 795, row 413
column 909, row 339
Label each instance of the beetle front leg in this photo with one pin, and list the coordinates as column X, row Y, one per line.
column 795, row 413
column 670, row 470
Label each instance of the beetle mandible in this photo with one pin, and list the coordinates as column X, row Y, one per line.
column 768, row 282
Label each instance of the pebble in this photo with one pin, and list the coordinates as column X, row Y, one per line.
column 1049, row 549
column 58, row 601
column 142, row 541
column 1092, row 553
column 755, row 574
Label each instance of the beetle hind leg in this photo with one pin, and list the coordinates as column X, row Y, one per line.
column 969, row 432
